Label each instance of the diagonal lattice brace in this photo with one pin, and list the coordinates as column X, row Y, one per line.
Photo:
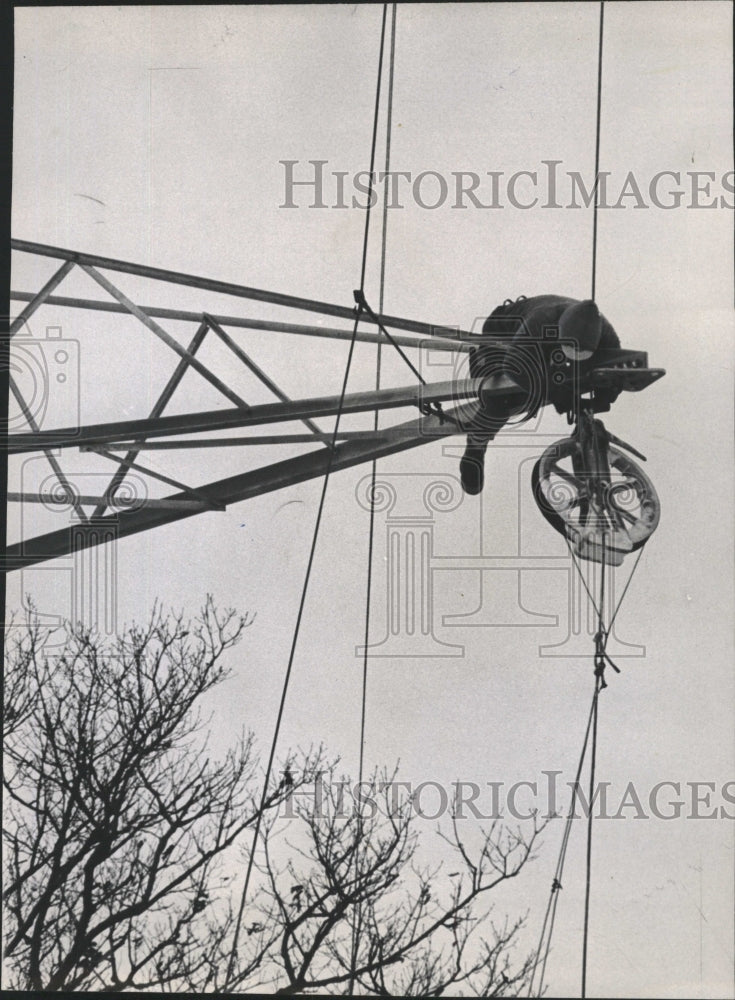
column 168, row 480
column 157, row 410
column 195, row 363
column 41, row 297
column 255, row 369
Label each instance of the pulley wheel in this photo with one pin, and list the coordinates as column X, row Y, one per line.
column 625, row 508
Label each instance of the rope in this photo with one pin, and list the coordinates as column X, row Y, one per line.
column 315, row 536
column 597, row 150
column 372, row 150
column 590, row 815
column 581, row 576
column 606, row 632
column 427, row 407
column 625, row 591
column 374, row 467
column 374, row 464
column 601, row 638
column 599, row 684
column 382, row 329
column 556, row 884
column 601, row 659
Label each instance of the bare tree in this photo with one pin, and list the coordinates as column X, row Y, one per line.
column 117, row 820
column 352, row 911
column 122, row 866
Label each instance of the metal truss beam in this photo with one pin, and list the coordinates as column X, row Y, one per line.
column 115, row 517
column 239, row 291
column 624, row 369
column 234, row 489
column 396, row 431
column 266, row 413
column 272, row 326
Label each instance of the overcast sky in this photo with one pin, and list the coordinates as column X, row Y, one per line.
column 156, row 134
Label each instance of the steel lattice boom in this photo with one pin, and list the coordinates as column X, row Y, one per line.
column 112, row 516
column 122, row 441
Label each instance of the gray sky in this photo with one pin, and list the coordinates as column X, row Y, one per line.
column 155, row 135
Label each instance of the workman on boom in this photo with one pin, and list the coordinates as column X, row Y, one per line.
column 546, row 338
